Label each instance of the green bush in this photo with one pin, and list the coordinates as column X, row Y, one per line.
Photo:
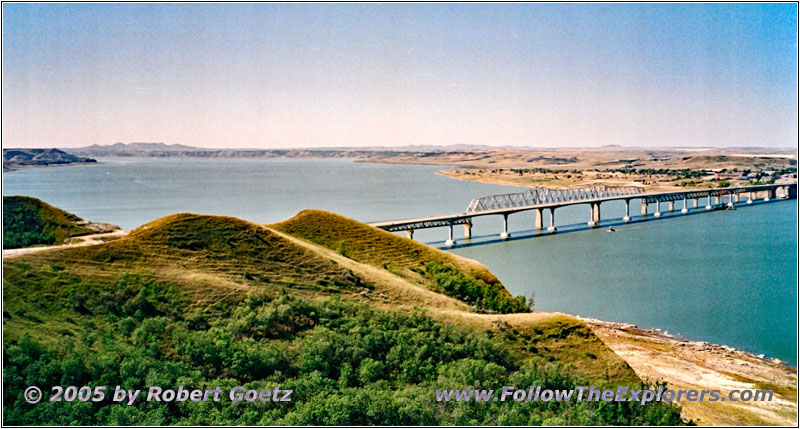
column 485, row 297
column 347, row 364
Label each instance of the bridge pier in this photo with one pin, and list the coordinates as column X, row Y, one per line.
column 736, row 197
column 410, row 234
column 539, row 221
column 685, row 208
column 504, row 234
column 594, row 213
column 716, row 200
column 627, row 211
column 467, row 230
column 750, row 197
column 672, row 206
column 730, row 199
column 450, row 242
column 695, row 202
column 769, row 194
column 658, row 209
column 552, row 227
column 708, row 206
column 644, row 208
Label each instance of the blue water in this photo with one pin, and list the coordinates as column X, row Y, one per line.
column 723, row 277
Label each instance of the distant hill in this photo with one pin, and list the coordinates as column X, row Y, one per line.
column 161, row 150
column 119, row 148
column 29, row 221
column 15, row 158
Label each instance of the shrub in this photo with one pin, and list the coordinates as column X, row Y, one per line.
column 484, row 296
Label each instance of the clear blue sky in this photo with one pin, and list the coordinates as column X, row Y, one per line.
column 293, row 75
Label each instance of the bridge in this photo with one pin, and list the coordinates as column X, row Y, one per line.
column 539, row 199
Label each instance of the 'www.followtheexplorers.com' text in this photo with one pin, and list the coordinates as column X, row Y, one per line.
column 593, row 394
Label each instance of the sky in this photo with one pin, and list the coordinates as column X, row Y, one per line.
column 315, row 75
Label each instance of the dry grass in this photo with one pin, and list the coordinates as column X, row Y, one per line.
column 373, row 246
column 213, row 259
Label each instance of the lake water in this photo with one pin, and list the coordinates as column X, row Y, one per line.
column 722, row 277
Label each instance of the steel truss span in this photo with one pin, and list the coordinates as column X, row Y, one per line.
column 545, row 196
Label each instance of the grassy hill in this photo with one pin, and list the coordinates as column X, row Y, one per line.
column 29, row 221
column 372, row 245
column 207, row 301
column 462, row 278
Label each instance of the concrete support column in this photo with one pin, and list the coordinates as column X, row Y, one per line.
column 644, row 208
column 708, row 206
column 685, row 208
column 736, row 198
column 552, row 227
column 716, row 200
column 450, row 242
column 730, row 200
column 750, row 197
column 594, row 214
column 467, row 230
column 769, row 195
column 539, row 219
column 672, row 206
column 504, row 234
column 410, row 234
column 627, row 211
column 658, row 209
column 695, row 202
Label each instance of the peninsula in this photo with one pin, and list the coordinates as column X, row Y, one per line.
column 21, row 158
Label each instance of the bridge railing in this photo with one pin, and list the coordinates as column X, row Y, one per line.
column 536, row 196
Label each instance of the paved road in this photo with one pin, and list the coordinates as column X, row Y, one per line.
column 86, row 240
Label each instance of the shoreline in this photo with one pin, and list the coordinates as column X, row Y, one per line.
column 520, row 182
column 15, row 167
column 685, row 364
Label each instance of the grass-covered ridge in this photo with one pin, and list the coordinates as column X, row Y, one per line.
column 372, row 245
column 443, row 272
column 29, row 221
column 202, row 301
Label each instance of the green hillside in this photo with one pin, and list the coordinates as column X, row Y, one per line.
column 29, row 221
column 206, row 301
column 372, row 245
column 459, row 277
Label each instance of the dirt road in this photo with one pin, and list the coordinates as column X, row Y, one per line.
column 86, row 240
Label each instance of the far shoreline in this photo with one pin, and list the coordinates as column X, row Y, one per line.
column 25, row 167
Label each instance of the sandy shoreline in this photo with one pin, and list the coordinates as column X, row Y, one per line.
column 685, row 364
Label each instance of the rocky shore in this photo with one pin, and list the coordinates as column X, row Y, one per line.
column 683, row 364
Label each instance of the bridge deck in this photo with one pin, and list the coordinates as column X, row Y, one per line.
column 649, row 197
